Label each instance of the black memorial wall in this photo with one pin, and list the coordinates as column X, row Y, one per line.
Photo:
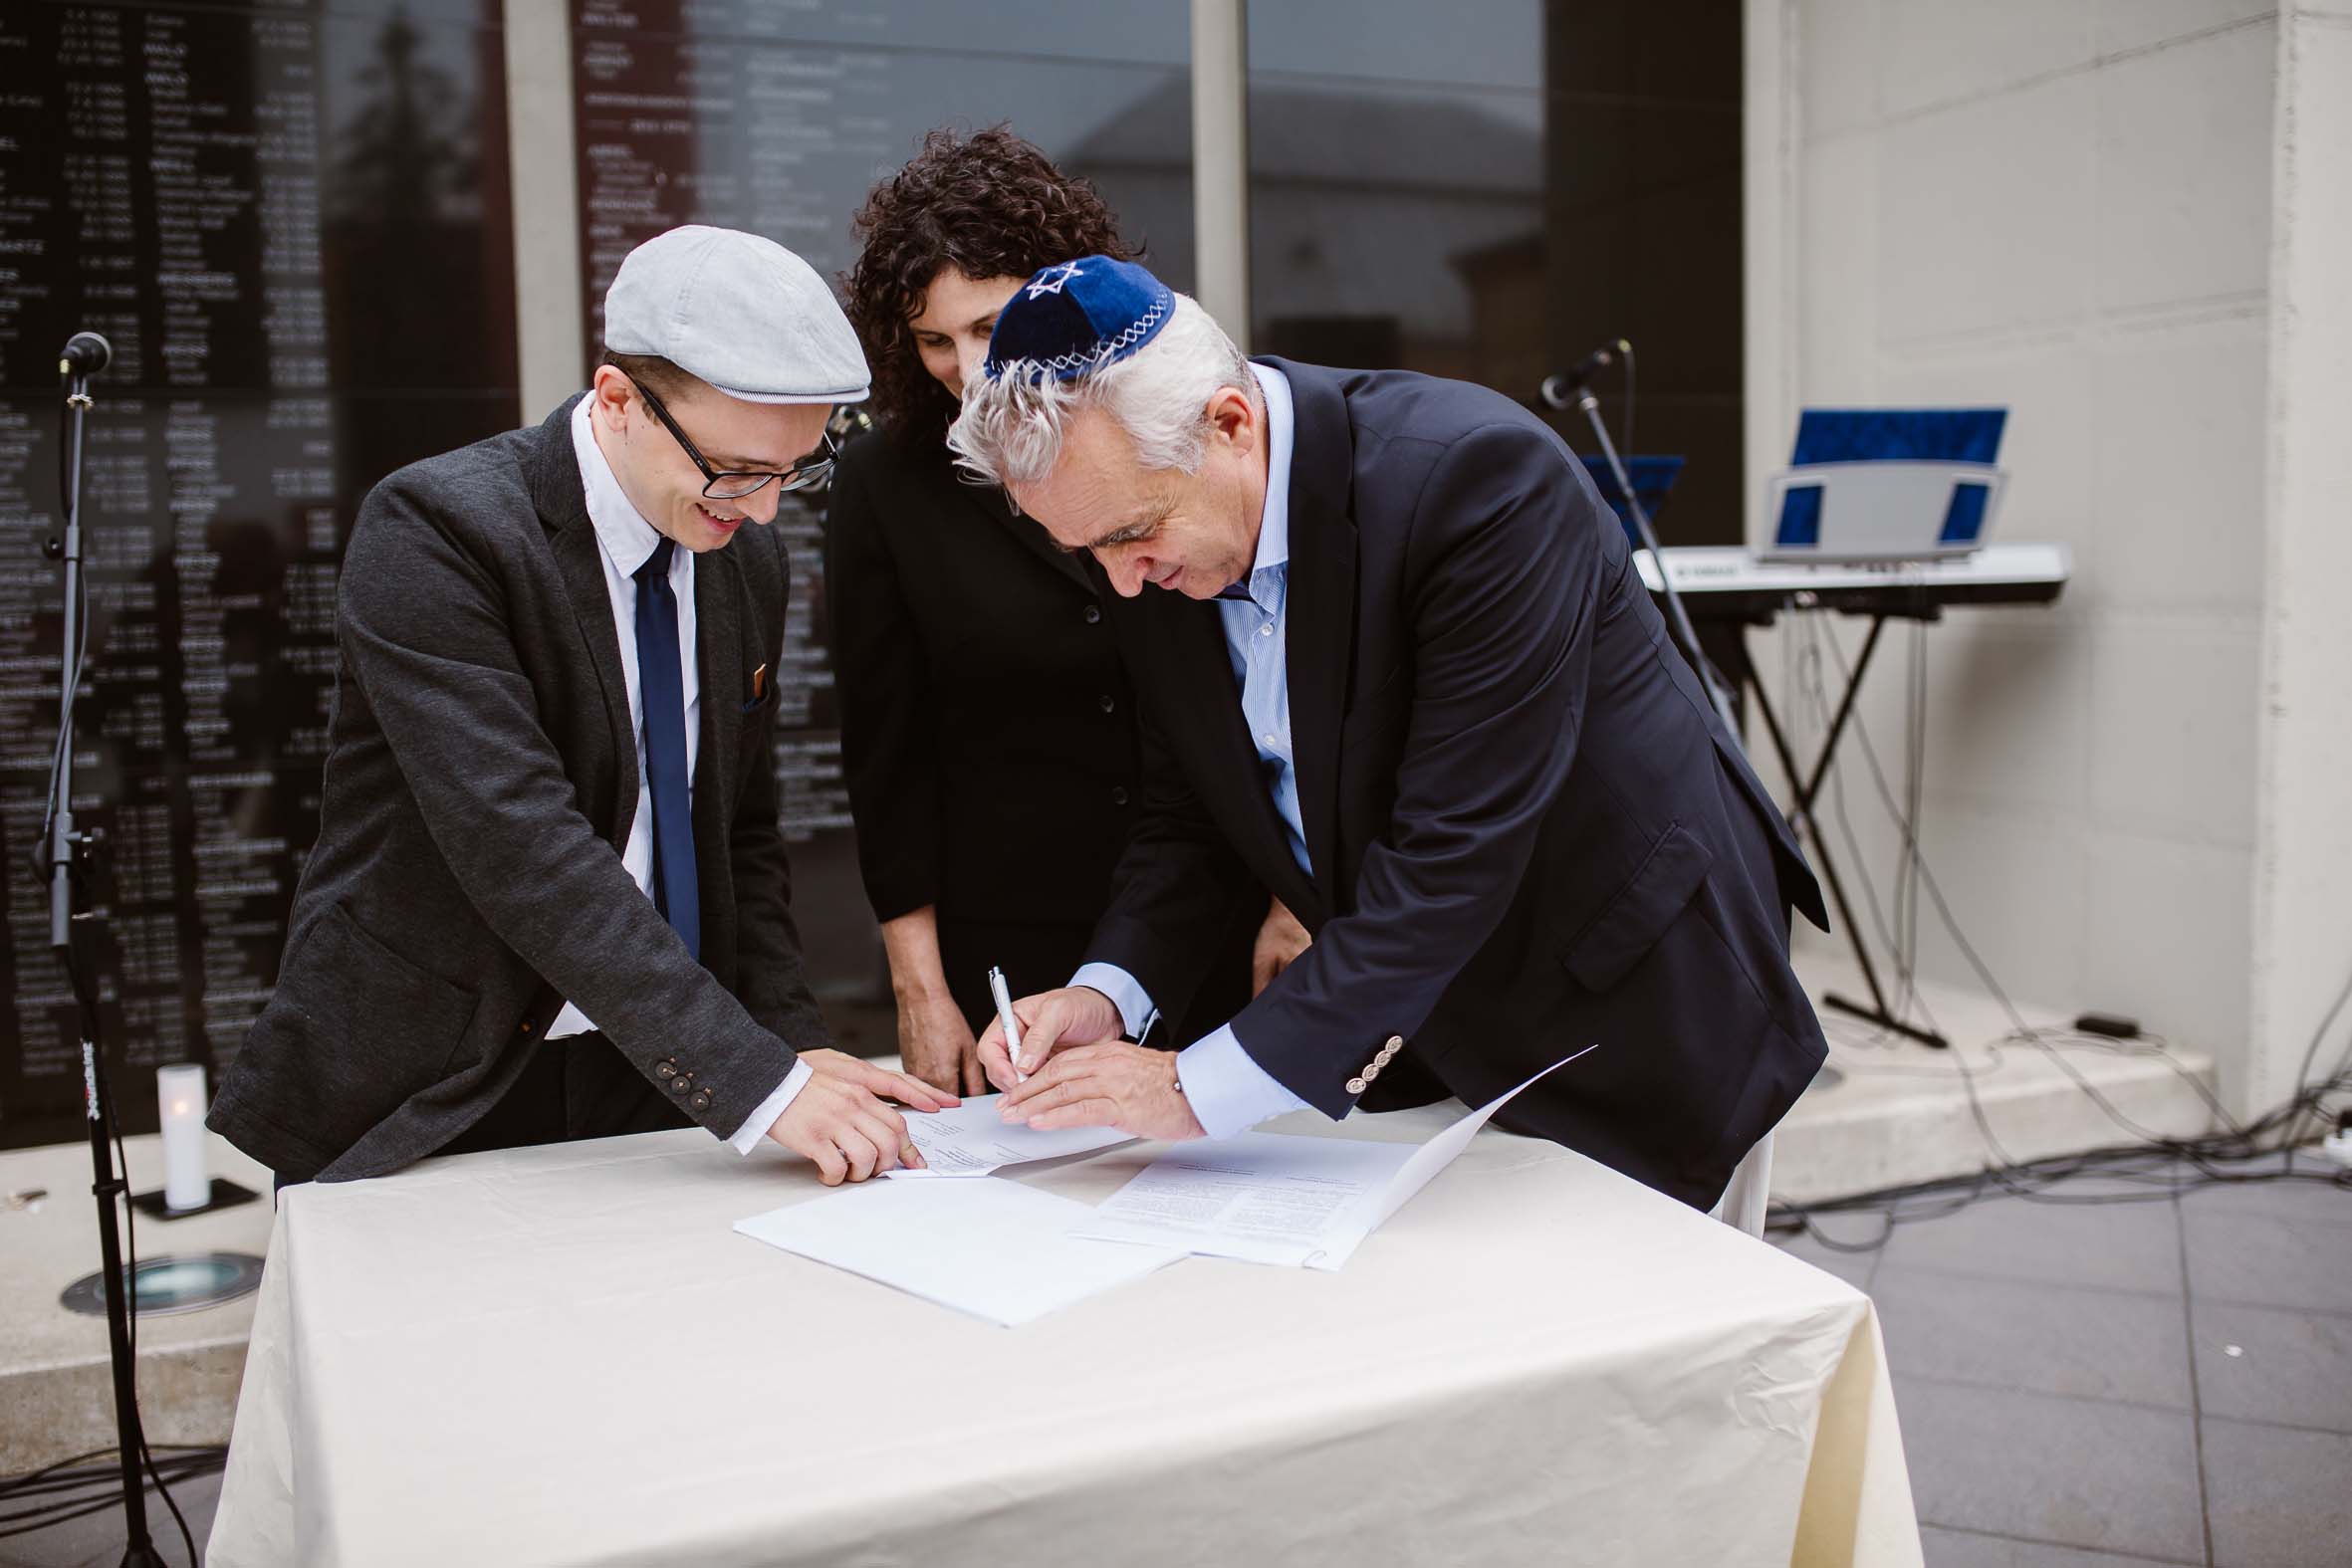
column 291, row 220
column 777, row 120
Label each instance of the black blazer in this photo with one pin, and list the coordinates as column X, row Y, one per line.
column 988, row 725
column 1528, row 829
column 988, row 731
column 479, row 787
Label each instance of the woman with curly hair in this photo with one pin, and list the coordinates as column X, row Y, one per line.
column 988, row 728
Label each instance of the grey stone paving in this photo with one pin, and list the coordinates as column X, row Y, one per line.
column 2162, row 1382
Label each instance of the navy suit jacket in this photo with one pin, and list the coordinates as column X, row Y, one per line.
column 1528, row 829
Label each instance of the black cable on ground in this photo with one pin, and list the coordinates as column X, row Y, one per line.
column 74, row 1489
column 2153, row 1161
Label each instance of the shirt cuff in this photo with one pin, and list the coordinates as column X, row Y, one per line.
column 1125, row 994
column 1230, row 1093
column 772, row 1107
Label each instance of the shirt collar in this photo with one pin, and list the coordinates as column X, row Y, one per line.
column 1274, row 523
column 1276, row 517
column 625, row 535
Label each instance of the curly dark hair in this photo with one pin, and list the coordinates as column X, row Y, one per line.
column 990, row 205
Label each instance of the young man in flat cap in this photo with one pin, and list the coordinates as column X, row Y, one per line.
column 549, row 898
column 1394, row 663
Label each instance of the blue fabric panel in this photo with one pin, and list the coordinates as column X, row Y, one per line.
column 1871, row 435
column 1652, row 478
column 1964, row 520
column 1800, row 515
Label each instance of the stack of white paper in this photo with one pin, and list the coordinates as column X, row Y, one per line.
column 994, row 1248
column 972, row 1139
column 1010, row 1253
column 1277, row 1198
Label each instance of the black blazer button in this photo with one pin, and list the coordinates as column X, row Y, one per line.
column 665, row 1070
column 1094, row 614
column 1107, row 702
column 1118, row 795
column 678, row 1086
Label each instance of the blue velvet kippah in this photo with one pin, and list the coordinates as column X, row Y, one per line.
column 1076, row 314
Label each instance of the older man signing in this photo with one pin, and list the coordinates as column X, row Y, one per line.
column 1394, row 662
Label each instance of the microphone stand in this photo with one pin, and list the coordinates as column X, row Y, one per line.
column 1677, row 619
column 66, row 854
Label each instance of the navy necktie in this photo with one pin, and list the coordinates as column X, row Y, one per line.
column 662, row 688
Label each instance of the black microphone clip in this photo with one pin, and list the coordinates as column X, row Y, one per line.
column 1560, row 389
column 84, row 354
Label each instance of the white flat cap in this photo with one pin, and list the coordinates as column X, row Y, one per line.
column 739, row 311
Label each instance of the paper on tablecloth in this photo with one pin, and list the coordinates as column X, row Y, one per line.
column 994, row 1248
column 1280, row 1197
column 972, row 1139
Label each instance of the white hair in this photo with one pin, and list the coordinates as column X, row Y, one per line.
column 1012, row 425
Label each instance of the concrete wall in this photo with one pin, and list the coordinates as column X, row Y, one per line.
column 2302, row 915
column 2082, row 209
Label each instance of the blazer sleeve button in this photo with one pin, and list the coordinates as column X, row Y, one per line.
column 1356, row 1085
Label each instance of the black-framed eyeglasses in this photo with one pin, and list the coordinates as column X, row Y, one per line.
column 735, row 484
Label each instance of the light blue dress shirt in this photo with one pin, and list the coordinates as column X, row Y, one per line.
column 1228, row 1090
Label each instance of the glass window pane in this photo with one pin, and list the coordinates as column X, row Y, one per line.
column 1487, row 192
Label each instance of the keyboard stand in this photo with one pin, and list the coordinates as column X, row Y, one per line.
column 1808, row 784
column 1730, row 591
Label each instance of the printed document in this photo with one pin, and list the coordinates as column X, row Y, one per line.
column 994, row 1248
column 1280, row 1197
column 971, row 1140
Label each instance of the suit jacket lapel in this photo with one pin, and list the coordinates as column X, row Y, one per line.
column 563, row 509
column 1321, row 634
column 1204, row 674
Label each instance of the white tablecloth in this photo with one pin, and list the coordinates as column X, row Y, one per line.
column 563, row 1355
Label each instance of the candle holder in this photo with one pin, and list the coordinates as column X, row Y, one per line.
column 225, row 1195
column 188, row 1189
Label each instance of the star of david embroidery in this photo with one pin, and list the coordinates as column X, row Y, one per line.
column 1053, row 279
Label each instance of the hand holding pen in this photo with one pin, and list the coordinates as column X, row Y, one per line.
column 1042, row 1025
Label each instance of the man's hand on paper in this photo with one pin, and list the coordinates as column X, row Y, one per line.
column 838, row 1122
column 1051, row 1021
column 1116, row 1083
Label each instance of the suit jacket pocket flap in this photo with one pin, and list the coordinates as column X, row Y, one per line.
column 384, row 1022
column 1633, row 920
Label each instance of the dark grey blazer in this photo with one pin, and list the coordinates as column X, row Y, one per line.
column 1528, row 830
column 467, row 879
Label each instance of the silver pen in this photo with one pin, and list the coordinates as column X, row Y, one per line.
column 1004, row 996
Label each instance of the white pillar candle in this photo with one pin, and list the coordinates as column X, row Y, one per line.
column 180, row 1096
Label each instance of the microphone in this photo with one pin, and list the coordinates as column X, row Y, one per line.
column 1560, row 389
column 84, row 354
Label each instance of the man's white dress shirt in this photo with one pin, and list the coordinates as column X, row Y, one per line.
column 629, row 541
